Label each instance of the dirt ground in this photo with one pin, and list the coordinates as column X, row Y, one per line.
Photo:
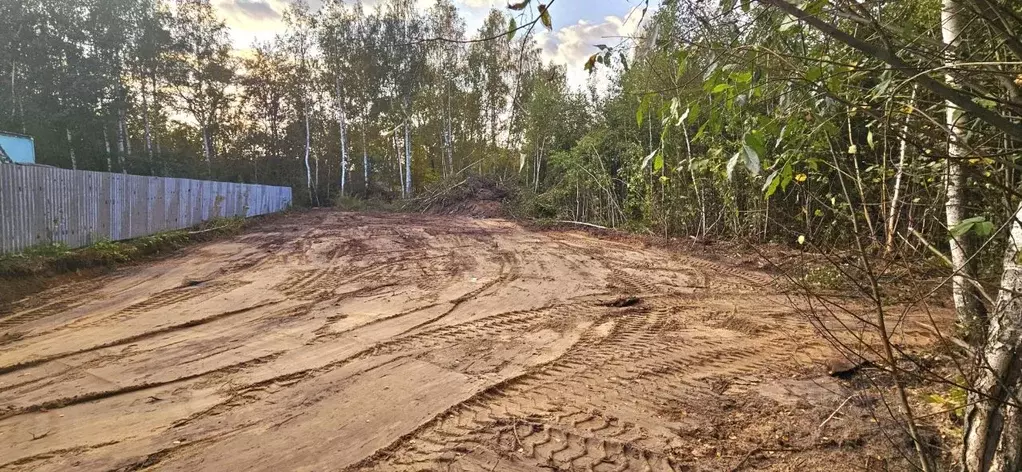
column 333, row 341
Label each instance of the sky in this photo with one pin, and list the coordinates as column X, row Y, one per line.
column 578, row 25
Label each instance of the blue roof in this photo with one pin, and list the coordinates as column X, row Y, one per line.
column 17, row 148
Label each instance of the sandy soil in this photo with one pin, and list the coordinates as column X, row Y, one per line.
column 331, row 341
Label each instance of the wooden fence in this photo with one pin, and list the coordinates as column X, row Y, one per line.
column 43, row 205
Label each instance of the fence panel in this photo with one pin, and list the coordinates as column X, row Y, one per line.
column 44, row 205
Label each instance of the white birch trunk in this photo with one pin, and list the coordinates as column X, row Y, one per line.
column 341, row 121
column 120, row 141
column 71, row 149
column 892, row 217
column 967, row 302
column 993, row 420
column 106, row 142
column 400, row 165
column 148, row 130
column 207, row 145
column 365, row 160
column 127, row 136
column 450, row 134
column 408, row 150
column 308, row 148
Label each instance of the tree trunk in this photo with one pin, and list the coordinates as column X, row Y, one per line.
column 993, row 419
column 341, row 120
column 968, row 306
column 148, row 130
column 408, row 150
column 106, row 142
column 450, row 134
column 127, row 136
column 308, row 147
column 207, row 149
column 701, row 231
column 400, row 164
column 71, row 149
column 14, row 94
column 892, row 217
column 120, row 140
column 365, row 160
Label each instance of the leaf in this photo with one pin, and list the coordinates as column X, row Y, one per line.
column 786, row 175
column 720, row 88
column 780, row 136
column 742, row 77
column 771, row 184
column 801, row 239
column 980, row 224
column 544, row 17
column 869, row 140
column 643, row 107
column 754, row 139
column 645, row 162
column 658, row 162
column 983, row 229
column 732, row 163
column 682, row 63
column 751, row 160
column 853, row 149
column 800, row 177
column 512, row 27
column 746, row 5
column 881, row 88
column 681, row 119
column 520, row 5
column 700, row 131
column 814, row 74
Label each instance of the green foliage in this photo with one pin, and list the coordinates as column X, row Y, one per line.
column 57, row 258
column 823, row 276
column 953, row 399
column 977, row 225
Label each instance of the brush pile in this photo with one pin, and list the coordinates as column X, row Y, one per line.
column 473, row 196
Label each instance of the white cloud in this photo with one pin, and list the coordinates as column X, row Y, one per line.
column 572, row 45
column 479, row 3
column 250, row 15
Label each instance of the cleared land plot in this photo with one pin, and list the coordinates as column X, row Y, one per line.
column 328, row 340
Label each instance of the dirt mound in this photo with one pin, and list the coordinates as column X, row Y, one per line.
column 476, row 197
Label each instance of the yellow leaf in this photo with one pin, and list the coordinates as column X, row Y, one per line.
column 800, row 177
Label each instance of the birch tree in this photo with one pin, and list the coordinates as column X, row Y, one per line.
column 202, row 70
column 968, row 304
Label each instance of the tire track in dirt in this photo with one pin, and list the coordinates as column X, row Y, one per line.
column 548, row 376
column 131, row 339
column 65, row 402
column 538, row 419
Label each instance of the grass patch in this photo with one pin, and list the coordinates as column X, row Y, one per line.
column 28, row 271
